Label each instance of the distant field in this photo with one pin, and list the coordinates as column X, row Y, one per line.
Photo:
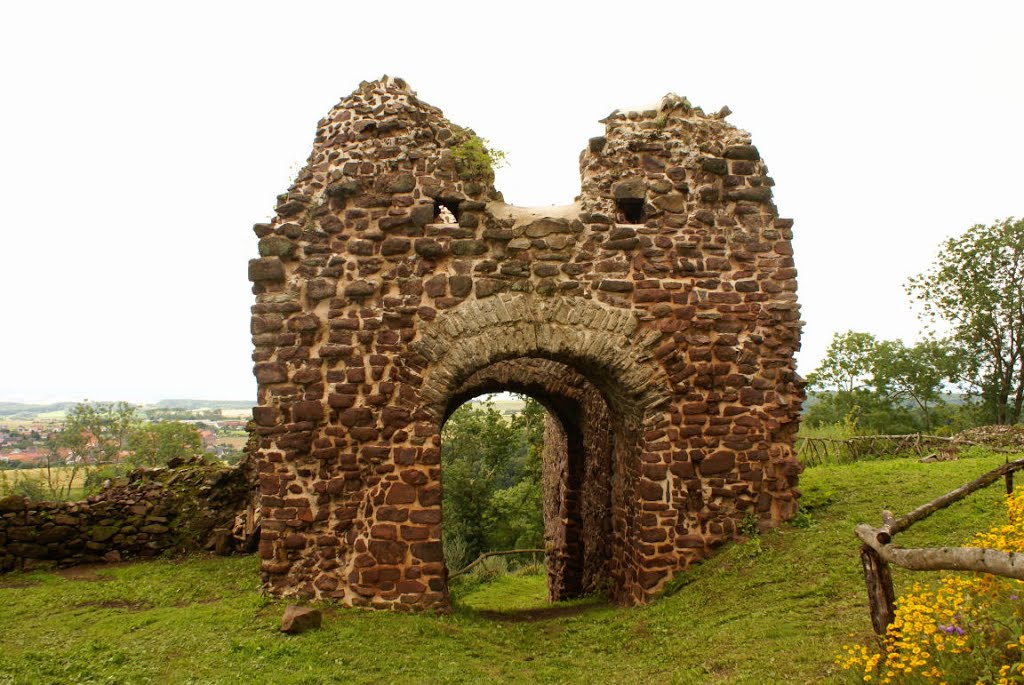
column 236, row 413
column 59, row 474
column 503, row 402
column 13, row 412
column 14, row 424
column 235, row 441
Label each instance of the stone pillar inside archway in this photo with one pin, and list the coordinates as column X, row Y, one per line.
column 668, row 286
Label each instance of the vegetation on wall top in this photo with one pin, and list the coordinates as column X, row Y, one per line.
column 474, row 160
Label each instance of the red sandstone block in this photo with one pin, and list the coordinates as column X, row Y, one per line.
column 275, row 567
column 401, row 493
column 405, row 456
column 427, row 551
column 383, row 531
column 415, row 532
column 413, row 477
column 388, row 551
column 294, row 541
column 654, row 471
column 356, row 416
column 644, row 296
column 425, row 516
column 649, row 579
column 650, row 490
column 397, row 514
column 430, row 496
column 411, row 586
column 364, row 433
column 326, row 583
column 307, row 410
column 719, row 462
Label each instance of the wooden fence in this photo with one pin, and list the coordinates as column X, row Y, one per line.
column 817, row 451
column 878, row 550
column 487, row 555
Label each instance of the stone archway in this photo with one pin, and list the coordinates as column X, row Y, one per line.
column 661, row 304
column 585, row 361
column 582, row 488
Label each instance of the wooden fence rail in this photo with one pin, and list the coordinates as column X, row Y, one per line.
column 878, row 550
column 817, row 451
column 486, row 555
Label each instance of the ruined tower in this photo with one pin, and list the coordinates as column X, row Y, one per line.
column 655, row 318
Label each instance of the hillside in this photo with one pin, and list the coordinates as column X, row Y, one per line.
column 202, row 404
column 23, row 411
column 27, row 412
column 773, row 609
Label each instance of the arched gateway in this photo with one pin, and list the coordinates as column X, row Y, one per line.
column 655, row 318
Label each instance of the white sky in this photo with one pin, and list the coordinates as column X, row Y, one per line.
column 140, row 141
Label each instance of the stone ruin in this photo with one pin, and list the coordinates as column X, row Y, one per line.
column 655, row 318
column 183, row 507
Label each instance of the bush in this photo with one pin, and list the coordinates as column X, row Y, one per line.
column 96, row 478
column 473, row 159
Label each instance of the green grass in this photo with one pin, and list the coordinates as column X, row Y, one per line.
column 772, row 609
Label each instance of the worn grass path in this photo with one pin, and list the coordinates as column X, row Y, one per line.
column 774, row 609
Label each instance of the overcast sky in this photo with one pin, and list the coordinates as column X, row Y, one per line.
column 140, row 141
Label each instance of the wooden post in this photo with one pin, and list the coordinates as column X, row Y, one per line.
column 1009, row 483
column 881, row 598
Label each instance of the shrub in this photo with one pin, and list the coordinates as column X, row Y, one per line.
column 473, row 159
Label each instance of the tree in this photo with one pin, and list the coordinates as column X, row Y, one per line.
column 847, row 362
column 491, row 470
column 98, row 432
column 874, row 383
column 916, row 374
column 975, row 286
column 93, row 434
column 155, row 444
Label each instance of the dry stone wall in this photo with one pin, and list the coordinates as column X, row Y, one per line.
column 666, row 292
column 151, row 512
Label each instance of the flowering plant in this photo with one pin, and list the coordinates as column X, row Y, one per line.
column 969, row 628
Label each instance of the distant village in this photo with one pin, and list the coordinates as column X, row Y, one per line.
column 25, row 444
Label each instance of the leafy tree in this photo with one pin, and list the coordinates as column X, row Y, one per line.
column 516, row 517
column 915, row 374
column 155, row 444
column 517, row 514
column 847, row 362
column 976, row 286
column 474, row 160
column 93, row 434
column 491, row 468
column 874, row 384
column 98, row 432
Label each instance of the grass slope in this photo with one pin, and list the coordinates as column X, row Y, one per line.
column 772, row 609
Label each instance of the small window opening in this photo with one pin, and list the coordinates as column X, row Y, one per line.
column 631, row 210
column 446, row 212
